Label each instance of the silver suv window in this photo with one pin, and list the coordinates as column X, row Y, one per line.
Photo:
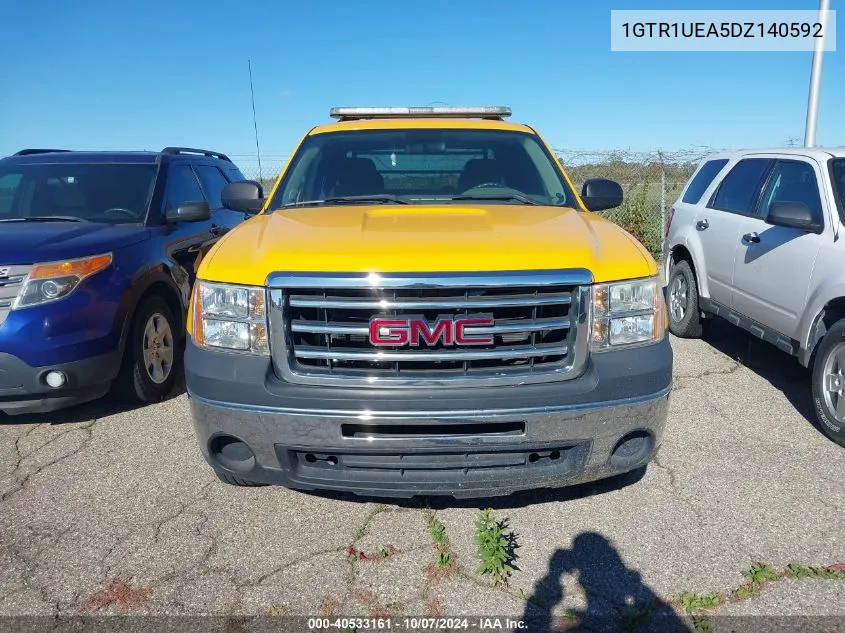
column 698, row 185
column 793, row 181
column 739, row 190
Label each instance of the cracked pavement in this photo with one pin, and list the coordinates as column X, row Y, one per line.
column 109, row 510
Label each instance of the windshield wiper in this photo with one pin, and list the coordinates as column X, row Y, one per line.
column 380, row 197
column 46, row 218
column 519, row 197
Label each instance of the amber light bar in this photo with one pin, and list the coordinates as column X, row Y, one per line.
column 484, row 112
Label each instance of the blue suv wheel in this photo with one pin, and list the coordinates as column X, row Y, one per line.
column 151, row 354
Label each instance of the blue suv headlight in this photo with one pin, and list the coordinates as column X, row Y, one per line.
column 52, row 281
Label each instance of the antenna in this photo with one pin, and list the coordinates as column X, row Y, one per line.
column 254, row 121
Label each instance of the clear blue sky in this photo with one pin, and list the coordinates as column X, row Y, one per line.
column 100, row 74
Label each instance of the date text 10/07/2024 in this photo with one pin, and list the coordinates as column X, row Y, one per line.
column 414, row 624
column 722, row 29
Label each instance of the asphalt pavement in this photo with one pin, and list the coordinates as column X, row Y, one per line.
column 107, row 510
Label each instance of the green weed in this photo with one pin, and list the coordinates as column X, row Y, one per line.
column 825, row 573
column 495, row 545
column 444, row 561
column 701, row 624
column 746, row 591
column 437, row 531
column 693, row 602
column 760, row 574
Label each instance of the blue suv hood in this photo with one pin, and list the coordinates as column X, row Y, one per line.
column 32, row 242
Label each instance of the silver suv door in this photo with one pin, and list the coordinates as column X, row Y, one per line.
column 719, row 220
column 773, row 266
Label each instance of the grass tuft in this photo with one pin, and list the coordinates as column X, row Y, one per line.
column 495, row 545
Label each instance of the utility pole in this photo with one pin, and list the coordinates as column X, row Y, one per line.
column 816, row 78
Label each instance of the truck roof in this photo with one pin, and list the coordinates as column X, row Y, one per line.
column 412, row 123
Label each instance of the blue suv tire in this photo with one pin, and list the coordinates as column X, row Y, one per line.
column 152, row 354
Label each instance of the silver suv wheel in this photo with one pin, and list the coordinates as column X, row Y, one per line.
column 833, row 377
column 678, row 298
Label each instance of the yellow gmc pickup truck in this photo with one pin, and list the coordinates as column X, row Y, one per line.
column 424, row 305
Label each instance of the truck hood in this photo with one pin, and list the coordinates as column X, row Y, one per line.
column 33, row 242
column 419, row 238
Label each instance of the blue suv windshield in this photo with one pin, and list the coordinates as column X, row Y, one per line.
column 113, row 193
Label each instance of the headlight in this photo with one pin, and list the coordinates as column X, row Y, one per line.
column 56, row 280
column 627, row 313
column 229, row 317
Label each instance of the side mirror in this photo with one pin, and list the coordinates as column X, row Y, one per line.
column 189, row 212
column 600, row 193
column 794, row 215
column 243, row 195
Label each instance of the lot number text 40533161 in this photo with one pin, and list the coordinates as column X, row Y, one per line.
column 414, row 624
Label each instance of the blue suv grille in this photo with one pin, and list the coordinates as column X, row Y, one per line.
column 11, row 280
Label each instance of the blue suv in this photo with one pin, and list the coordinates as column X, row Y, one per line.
column 98, row 252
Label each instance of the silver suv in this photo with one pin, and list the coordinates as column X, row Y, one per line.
column 758, row 237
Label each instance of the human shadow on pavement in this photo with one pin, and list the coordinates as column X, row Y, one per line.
column 616, row 597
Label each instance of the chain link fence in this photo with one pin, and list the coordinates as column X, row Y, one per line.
column 266, row 171
column 652, row 182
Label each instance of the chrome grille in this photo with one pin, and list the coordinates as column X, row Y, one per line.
column 320, row 327
column 11, row 280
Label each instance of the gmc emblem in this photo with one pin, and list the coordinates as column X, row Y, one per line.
column 413, row 330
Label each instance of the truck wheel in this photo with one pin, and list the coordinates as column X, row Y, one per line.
column 682, row 302
column 237, row 481
column 152, row 351
column 829, row 383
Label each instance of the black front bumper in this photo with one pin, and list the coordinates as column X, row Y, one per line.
column 466, row 442
column 23, row 388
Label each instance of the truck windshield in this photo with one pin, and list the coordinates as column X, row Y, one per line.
column 837, row 173
column 422, row 166
column 92, row 192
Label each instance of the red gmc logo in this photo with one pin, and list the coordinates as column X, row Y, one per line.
column 413, row 330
